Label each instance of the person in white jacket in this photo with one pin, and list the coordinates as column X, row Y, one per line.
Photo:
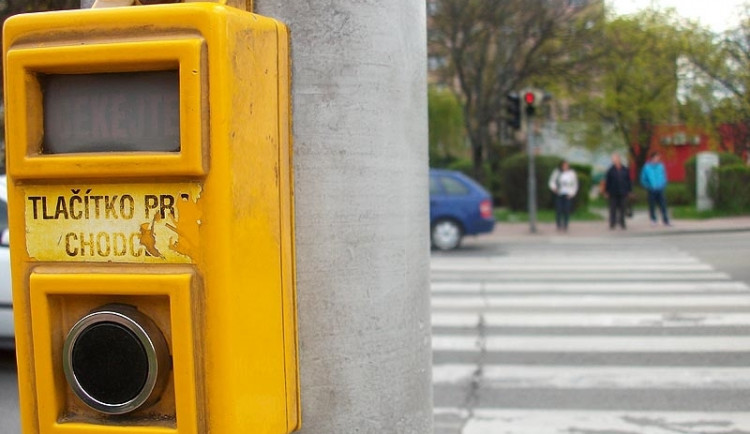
column 564, row 184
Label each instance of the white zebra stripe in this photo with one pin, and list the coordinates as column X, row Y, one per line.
column 568, row 267
column 604, row 287
column 569, row 258
column 512, row 319
column 594, row 344
column 546, row 421
column 589, row 301
column 577, row 276
column 594, row 377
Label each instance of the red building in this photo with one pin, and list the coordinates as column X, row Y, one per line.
column 677, row 143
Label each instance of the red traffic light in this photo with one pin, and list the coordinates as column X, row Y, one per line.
column 529, row 98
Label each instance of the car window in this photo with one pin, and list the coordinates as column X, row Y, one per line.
column 3, row 215
column 454, row 187
column 434, row 185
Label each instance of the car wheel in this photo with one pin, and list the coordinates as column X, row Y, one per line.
column 446, row 234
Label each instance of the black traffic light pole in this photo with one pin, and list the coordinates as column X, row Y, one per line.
column 532, row 168
column 514, row 116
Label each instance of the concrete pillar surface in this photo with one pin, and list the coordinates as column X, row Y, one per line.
column 362, row 212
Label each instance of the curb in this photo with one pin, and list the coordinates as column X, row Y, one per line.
column 696, row 231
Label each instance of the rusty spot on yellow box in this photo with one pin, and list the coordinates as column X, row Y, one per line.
column 123, row 223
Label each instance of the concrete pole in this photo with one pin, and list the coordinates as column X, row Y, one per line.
column 361, row 187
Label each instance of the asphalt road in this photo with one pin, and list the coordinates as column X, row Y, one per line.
column 728, row 252
column 9, row 417
column 593, row 335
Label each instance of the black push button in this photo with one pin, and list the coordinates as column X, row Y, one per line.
column 110, row 363
column 116, row 359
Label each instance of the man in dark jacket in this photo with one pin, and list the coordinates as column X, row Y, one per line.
column 617, row 188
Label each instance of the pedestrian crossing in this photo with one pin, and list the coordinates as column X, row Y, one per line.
column 586, row 337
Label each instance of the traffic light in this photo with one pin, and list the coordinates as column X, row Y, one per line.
column 529, row 99
column 513, row 110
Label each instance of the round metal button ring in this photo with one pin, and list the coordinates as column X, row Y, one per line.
column 116, row 359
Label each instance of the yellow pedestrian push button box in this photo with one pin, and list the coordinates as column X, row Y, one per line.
column 150, row 197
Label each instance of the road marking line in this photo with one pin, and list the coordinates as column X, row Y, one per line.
column 618, row 301
column 511, row 319
column 594, row 377
column 569, row 267
column 557, row 276
column 469, row 287
column 546, row 421
column 570, row 258
column 593, row 344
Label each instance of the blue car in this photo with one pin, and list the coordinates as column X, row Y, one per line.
column 458, row 206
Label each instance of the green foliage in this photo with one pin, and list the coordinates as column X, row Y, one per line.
column 514, row 172
column 447, row 136
column 733, row 193
column 677, row 194
column 691, row 213
column 636, row 86
column 725, row 159
column 581, row 200
column 513, row 179
column 639, row 196
column 585, row 169
column 462, row 165
column 488, row 48
column 585, row 182
column 720, row 68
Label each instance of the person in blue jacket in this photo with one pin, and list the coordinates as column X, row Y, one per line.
column 654, row 180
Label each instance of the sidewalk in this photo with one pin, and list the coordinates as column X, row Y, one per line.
column 638, row 225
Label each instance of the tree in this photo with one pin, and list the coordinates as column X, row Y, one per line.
column 446, row 120
column 722, row 92
column 492, row 47
column 636, row 87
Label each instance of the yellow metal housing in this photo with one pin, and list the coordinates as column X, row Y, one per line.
column 202, row 240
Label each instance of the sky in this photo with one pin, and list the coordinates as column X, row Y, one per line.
column 716, row 14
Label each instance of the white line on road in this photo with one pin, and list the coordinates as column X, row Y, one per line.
column 513, row 319
column 569, row 267
column 439, row 287
column 557, row 276
column 546, row 421
column 594, row 377
column 570, row 258
column 589, row 301
column 594, row 344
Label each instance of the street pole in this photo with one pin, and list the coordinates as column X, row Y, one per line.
column 530, row 147
column 362, row 212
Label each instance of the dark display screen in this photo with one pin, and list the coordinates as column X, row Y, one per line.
column 111, row 112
